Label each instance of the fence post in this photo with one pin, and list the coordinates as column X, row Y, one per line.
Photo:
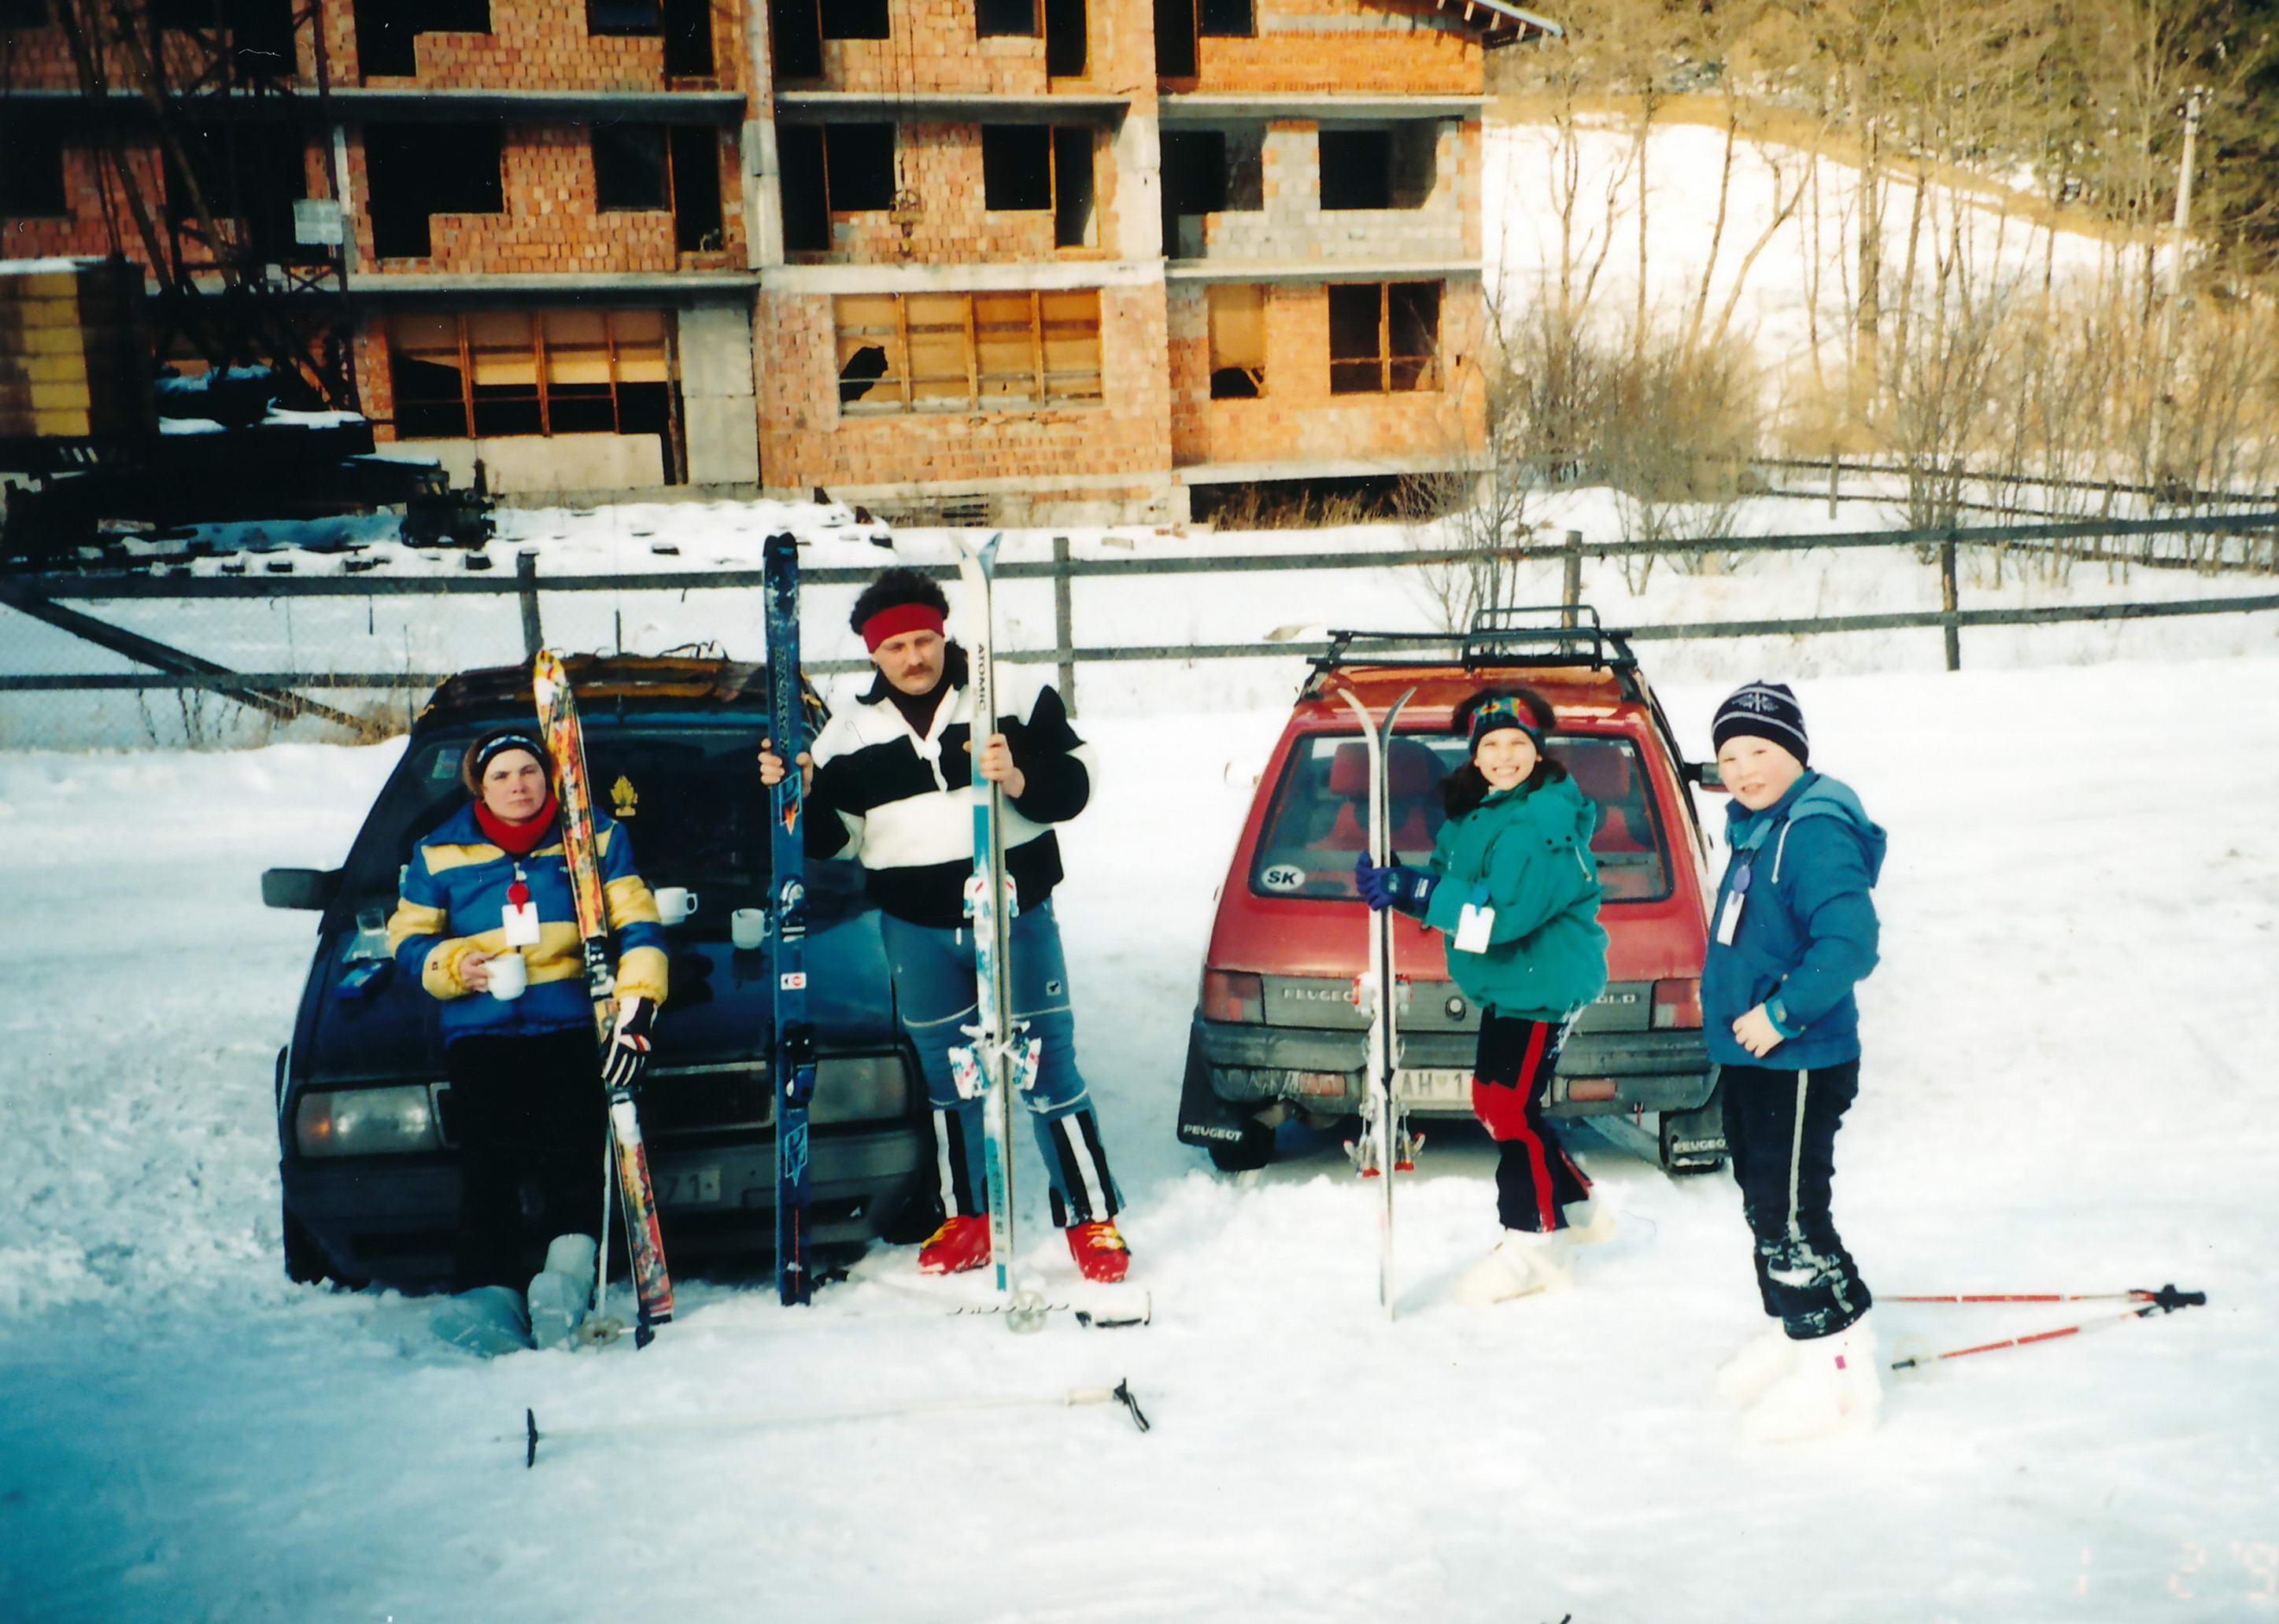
column 1948, row 601
column 1570, row 592
column 525, row 586
column 1064, row 623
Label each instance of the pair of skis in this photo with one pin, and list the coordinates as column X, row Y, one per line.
column 1000, row 1056
column 1386, row 1146
column 557, row 713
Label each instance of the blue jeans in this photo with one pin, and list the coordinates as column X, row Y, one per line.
column 935, row 986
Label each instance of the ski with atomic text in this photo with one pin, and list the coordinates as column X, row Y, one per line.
column 558, row 714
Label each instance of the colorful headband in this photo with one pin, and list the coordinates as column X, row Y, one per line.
column 901, row 617
column 1504, row 713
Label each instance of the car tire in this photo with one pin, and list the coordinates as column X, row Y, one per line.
column 1246, row 1154
column 1235, row 1141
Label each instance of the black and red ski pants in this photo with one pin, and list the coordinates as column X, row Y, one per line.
column 1780, row 1131
column 1511, row 1083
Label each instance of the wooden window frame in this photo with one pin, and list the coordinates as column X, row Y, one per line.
column 896, row 391
column 1428, row 366
column 541, row 364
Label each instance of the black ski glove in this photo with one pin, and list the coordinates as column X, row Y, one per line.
column 628, row 1050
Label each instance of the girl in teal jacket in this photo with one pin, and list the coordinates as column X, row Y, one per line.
column 1512, row 884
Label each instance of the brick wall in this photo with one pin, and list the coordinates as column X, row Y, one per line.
column 1297, row 420
column 804, row 440
column 1294, row 224
column 1400, row 47
column 938, row 167
column 935, row 45
column 537, row 45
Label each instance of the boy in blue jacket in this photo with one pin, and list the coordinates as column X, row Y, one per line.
column 1793, row 932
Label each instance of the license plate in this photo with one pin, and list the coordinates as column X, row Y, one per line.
column 1434, row 1086
column 695, row 1187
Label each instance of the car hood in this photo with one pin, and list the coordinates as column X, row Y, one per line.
column 720, row 1010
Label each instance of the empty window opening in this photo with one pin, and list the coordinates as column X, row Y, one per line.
column 32, row 180
column 629, row 167
column 1208, row 171
column 854, row 20
column 253, row 26
column 794, row 39
column 1380, row 168
column 635, row 17
column 1072, row 184
column 1175, row 39
column 23, row 14
column 688, row 39
column 1356, row 169
column 993, row 18
column 481, row 373
column 1238, row 340
column 966, row 352
column 1068, row 42
column 1017, row 166
column 831, row 169
column 417, row 170
column 1235, row 19
column 697, row 227
column 386, row 30
column 244, row 174
column 1385, row 337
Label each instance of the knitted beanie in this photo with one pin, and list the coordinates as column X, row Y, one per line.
column 496, row 743
column 1765, row 710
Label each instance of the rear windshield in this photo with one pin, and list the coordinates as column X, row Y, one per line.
column 690, row 798
column 1319, row 821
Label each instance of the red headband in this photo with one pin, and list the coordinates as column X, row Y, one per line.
column 896, row 621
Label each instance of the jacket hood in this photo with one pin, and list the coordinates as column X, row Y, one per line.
column 1816, row 796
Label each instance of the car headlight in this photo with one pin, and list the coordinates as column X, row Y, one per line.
column 366, row 1121
column 856, row 1088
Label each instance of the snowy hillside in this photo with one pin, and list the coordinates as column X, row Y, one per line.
column 2067, row 1090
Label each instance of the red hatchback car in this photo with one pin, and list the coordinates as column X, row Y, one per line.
column 1277, row 1032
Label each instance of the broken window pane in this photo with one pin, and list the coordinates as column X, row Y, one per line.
column 1238, row 340
column 971, row 352
column 629, row 167
column 1017, row 166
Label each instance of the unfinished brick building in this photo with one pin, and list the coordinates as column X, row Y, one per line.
column 999, row 259
column 1057, row 259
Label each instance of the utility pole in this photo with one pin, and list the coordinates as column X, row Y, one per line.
column 2164, row 402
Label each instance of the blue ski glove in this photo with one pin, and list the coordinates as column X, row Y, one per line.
column 628, row 1052
column 1404, row 888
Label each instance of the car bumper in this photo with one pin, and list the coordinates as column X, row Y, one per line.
column 1599, row 1073
column 392, row 1219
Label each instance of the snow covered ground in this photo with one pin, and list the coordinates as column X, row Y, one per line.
column 2068, row 1087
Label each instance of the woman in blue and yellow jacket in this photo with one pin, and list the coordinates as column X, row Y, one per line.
column 1512, row 883
column 486, row 923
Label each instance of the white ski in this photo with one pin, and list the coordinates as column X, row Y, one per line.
column 1383, row 1147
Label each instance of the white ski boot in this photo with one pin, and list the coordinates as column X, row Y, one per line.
column 486, row 1322
column 1521, row 1264
column 1590, row 1223
column 1835, row 1389
column 1763, row 1360
column 561, row 1293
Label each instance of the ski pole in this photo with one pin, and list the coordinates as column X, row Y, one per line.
column 1121, row 1393
column 2168, row 1299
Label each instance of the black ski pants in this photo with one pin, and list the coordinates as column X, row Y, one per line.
column 530, row 1118
column 1780, row 1131
column 1511, row 1080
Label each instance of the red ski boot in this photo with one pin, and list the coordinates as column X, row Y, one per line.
column 1100, row 1252
column 960, row 1243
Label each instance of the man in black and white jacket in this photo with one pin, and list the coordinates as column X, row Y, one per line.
column 889, row 788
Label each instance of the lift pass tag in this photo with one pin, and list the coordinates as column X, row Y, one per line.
column 1473, row 925
column 1729, row 916
column 520, row 916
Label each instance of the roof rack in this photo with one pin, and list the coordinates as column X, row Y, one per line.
column 1514, row 637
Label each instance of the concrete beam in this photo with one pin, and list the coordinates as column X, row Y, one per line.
column 1008, row 277
column 1207, row 107
column 1355, row 270
column 949, row 107
column 667, row 286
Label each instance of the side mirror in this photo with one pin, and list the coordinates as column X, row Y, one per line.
column 1705, row 774
column 305, row 888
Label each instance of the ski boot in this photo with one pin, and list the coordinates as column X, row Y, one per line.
column 1100, row 1253
column 562, row 1294
column 962, row 1243
column 1835, row 1389
column 1522, row 1263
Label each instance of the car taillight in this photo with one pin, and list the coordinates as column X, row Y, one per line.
column 1677, row 1002
column 1234, row 995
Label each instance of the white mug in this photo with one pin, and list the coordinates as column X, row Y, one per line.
column 510, row 975
column 747, row 927
column 674, row 903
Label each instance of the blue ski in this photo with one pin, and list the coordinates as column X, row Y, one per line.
column 791, row 1070
column 1000, row 1058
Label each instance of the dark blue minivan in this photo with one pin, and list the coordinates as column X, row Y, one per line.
column 368, row 1158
